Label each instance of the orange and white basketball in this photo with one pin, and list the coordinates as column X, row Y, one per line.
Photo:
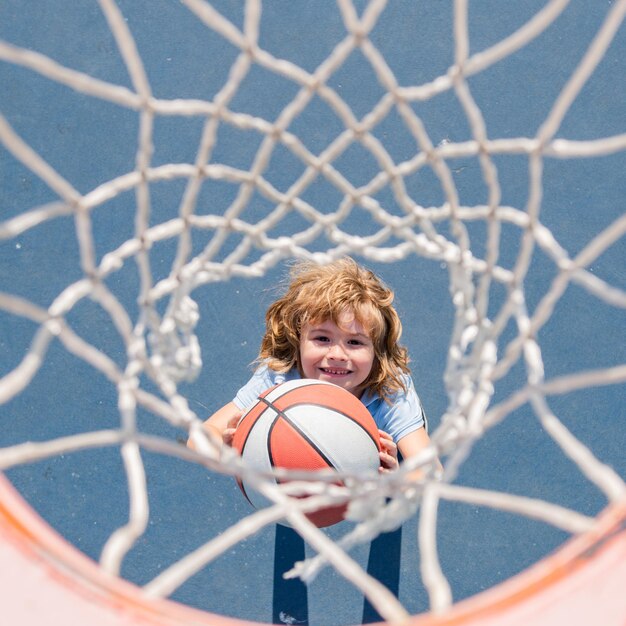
column 307, row 425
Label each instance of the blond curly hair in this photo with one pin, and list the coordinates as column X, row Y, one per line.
column 317, row 293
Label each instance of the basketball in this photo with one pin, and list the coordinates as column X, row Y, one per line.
column 307, row 425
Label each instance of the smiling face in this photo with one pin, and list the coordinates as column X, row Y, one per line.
column 341, row 353
column 339, row 300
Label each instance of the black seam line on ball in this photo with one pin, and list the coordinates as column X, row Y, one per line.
column 280, row 413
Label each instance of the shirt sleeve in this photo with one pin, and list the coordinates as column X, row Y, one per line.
column 263, row 379
column 248, row 394
column 404, row 415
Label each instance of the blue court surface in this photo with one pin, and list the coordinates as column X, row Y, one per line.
column 89, row 140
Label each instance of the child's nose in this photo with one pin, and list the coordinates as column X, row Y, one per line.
column 337, row 352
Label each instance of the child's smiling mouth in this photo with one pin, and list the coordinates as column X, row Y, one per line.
column 334, row 371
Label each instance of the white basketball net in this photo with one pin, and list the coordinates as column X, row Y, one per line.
column 165, row 347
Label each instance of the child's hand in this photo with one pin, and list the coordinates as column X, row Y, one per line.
column 229, row 431
column 389, row 453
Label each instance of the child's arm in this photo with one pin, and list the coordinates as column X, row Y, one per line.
column 221, row 425
column 412, row 444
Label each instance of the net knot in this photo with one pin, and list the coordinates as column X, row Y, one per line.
column 314, row 83
column 456, row 73
column 175, row 348
column 276, row 133
column 249, row 49
column 359, row 34
column 357, row 132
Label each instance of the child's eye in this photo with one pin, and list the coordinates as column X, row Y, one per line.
column 356, row 342
column 320, row 338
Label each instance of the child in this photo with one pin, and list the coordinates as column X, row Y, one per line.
column 336, row 323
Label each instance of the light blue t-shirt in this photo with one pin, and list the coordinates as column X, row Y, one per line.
column 403, row 416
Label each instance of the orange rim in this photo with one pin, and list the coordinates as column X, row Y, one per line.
column 567, row 583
